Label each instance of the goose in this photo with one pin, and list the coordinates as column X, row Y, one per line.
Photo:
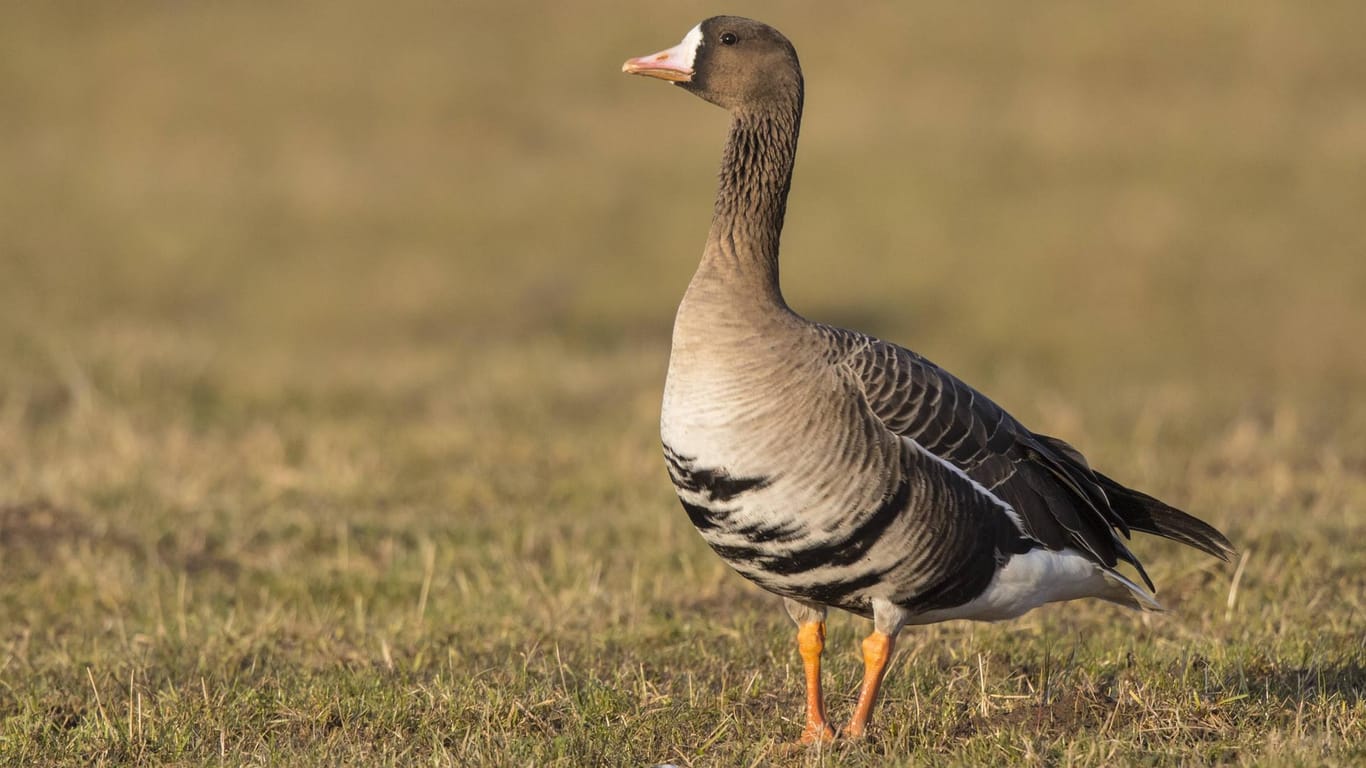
column 838, row 470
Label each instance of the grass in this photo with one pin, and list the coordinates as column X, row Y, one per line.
column 331, row 344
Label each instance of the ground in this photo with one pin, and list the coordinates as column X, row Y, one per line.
column 332, row 339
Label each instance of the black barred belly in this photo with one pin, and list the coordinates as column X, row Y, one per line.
column 945, row 565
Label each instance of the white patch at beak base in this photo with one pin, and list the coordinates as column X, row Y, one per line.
column 687, row 48
column 674, row 63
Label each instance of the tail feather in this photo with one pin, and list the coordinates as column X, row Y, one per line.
column 1144, row 513
column 1128, row 594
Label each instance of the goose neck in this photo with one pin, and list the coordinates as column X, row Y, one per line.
column 751, row 200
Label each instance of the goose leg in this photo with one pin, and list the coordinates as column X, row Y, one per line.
column 888, row 619
column 810, row 643
column 877, row 650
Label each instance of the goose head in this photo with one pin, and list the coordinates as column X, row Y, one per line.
column 733, row 62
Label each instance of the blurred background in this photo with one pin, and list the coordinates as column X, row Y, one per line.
column 251, row 197
column 309, row 309
column 392, row 249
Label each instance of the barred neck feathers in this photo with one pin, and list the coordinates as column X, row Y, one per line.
column 751, row 200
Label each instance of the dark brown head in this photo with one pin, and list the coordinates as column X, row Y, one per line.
column 730, row 61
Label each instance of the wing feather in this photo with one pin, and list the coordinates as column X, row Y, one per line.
column 1057, row 499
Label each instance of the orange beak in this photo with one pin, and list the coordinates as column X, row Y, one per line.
column 674, row 64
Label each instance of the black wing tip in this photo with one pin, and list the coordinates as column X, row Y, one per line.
column 1194, row 532
column 1149, row 515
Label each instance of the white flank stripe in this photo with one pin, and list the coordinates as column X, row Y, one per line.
column 1009, row 510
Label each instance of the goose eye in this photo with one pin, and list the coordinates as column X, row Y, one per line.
column 728, row 38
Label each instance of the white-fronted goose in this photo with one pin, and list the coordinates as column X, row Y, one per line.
column 836, row 469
